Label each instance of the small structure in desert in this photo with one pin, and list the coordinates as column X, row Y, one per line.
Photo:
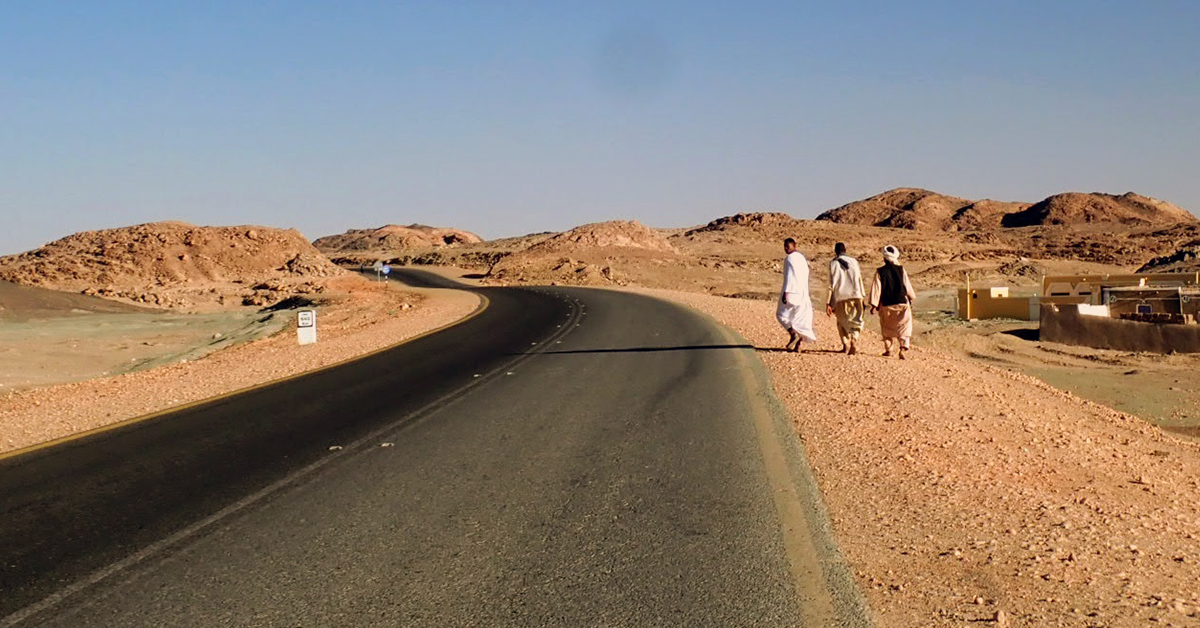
column 1150, row 312
column 1096, row 289
column 1154, row 304
column 1146, row 297
column 995, row 302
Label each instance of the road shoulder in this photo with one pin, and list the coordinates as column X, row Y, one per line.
column 370, row 321
column 962, row 493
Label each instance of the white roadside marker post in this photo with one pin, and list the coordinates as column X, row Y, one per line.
column 306, row 327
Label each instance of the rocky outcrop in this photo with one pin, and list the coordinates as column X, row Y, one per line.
column 394, row 238
column 622, row 234
column 175, row 265
column 917, row 209
column 1074, row 208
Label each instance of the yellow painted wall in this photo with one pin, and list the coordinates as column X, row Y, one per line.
column 984, row 305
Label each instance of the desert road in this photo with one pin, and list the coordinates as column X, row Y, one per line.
column 565, row 457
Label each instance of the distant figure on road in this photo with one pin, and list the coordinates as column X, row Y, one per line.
column 795, row 311
column 846, row 297
column 892, row 296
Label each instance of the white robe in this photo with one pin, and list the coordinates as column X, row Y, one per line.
column 795, row 310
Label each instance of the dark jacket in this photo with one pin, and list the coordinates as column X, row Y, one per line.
column 891, row 282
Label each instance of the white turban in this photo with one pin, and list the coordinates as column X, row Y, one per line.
column 891, row 254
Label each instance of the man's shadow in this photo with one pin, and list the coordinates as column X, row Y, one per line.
column 782, row 350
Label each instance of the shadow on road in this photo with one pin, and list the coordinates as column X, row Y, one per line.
column 688, row 348
column 782, row 350
column 646, row 349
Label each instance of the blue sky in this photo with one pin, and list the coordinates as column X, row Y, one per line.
column 513, row 117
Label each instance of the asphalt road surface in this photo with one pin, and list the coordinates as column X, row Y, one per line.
column 566, row 457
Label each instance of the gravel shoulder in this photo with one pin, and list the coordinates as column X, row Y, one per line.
column 963, row 493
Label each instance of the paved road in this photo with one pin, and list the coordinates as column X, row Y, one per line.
column 568, row 457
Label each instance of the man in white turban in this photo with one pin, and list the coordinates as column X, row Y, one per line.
column 892, row 296
column 795, row 310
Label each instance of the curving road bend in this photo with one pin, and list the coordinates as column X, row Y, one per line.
column 566, row 457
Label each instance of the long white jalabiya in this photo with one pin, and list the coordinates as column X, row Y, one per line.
column 795, row 307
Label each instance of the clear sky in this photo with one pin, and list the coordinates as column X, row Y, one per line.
column 512, row 117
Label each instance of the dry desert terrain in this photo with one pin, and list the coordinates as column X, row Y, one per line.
column 992, row 479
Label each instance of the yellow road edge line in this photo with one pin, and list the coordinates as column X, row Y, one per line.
column 808, row 578
column 819, row 605
column 484, row 302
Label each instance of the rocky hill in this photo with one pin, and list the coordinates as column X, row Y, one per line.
column 596, row 253
column 981, row 215
column 917, row 209
column 744, row 229
column 1185, row 260
column 770, row 222
column 176, row 265
column 1183, row 257
column 393, row 238
column 626, row 234
column 1073, row 208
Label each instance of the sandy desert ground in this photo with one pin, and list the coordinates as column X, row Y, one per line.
column 1163, row 390
column 993, row 479
column 358, row 316
column 49, row 337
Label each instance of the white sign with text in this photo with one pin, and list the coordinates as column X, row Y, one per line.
column 306, row 326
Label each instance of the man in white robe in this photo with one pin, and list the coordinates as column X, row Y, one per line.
column 795, row 310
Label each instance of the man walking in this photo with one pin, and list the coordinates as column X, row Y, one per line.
column 892, row 295
column 795, row 310
column 845, row 297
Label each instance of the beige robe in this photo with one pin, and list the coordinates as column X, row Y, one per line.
column 895, row 321
column 846, row 297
